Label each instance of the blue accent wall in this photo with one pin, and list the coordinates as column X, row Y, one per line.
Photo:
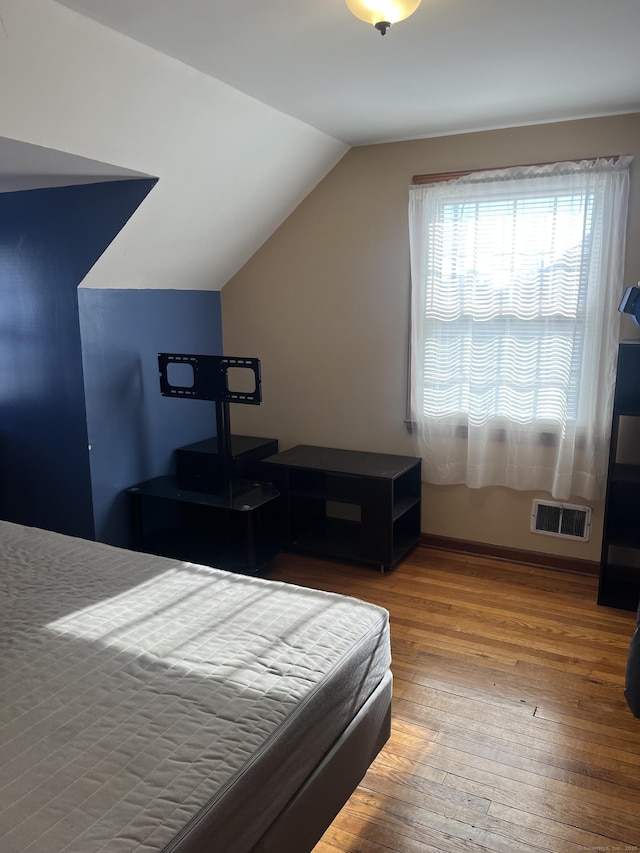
column 49, row 239
column 132, row 429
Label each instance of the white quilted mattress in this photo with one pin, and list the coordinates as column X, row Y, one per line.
column 141, row 696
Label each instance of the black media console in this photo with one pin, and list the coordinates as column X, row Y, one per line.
column 224, row 506
column 348, row 504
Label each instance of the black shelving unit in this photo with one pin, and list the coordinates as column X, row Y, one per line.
column 619, row 584
column 349, row 505
column 236, row 529
column 200, row 516
column 198, row 466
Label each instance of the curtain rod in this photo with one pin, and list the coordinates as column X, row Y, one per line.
column 452, row 176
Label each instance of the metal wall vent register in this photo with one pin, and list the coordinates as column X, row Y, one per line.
column 566, row 520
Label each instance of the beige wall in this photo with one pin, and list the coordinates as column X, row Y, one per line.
column 325, row 303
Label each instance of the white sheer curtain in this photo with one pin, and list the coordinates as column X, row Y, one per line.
column 516, row 279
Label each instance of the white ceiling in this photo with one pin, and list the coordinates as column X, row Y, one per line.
column 454, row 66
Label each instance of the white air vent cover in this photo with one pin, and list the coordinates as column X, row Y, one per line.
column 566, row 520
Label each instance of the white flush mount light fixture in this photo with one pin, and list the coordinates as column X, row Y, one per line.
column 382, row 13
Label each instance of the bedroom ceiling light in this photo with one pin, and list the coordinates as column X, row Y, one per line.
column 382, row 13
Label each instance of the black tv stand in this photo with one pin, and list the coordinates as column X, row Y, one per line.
column 195, row 515
column 210, row 379
column 234, row 529
column 223, row 437
column 199, row 468
column 349, row 504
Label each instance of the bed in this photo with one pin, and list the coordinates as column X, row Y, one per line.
column 156, row 706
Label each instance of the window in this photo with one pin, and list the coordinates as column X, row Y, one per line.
column 516, row 279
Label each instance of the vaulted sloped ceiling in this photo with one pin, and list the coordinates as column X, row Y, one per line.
column 454, row 66
column 239, row 109
column 230, row 169
column 28, row 167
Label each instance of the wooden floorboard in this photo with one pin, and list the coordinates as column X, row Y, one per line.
column 510, row 731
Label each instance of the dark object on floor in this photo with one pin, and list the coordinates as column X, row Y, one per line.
column 632, row 682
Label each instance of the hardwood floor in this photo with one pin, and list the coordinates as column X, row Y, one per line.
column 510, row 729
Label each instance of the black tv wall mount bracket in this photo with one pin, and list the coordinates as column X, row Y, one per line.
column 209, row 378
column 206, row 377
